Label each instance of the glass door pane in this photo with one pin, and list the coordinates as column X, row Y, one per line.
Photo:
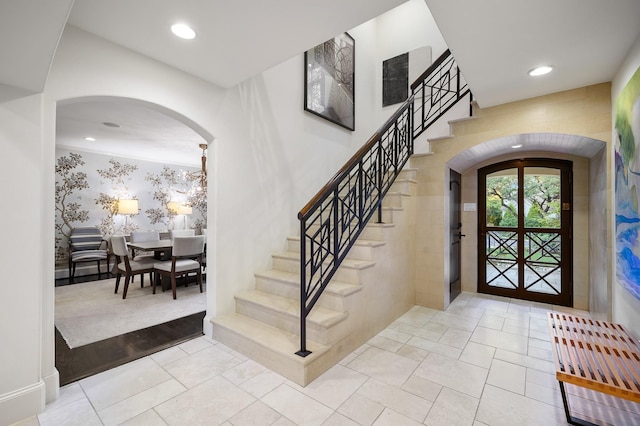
column 542, row 236
column 502, row 198
column 502, row 212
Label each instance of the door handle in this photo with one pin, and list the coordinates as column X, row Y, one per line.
column 460, row 235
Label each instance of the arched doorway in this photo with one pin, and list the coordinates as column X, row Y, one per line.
column 525, row 227
column 590, row 270
column 137, row 150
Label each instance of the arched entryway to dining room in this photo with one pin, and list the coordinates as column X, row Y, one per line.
column 110, row 149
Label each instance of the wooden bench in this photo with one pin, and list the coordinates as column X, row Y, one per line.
column 596, row 355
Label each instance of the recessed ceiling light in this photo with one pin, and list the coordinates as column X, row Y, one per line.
column 516, row 146
column 545, row 69
column 110, row 124
column 90, row 139
column 183, row 31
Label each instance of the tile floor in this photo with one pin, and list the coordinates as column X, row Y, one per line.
column 484, row 361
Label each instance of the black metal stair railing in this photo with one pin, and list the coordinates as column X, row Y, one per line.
column 436, row 91
column 332, row 221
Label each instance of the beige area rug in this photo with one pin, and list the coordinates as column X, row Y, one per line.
column 89, row 312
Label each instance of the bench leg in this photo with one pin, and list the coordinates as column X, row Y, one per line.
column 570, row 419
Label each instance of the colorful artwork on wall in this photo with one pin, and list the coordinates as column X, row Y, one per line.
column 627, row 185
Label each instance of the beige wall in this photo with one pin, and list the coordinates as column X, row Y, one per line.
column 585, row 112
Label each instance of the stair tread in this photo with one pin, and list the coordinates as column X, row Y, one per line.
column 381, row 225
column 269, row 337
column 440, row 138
column 319, row 315
column 462, row 119
column 336, row 287
column 401, row 180
column 403, row 194
column 348, row 263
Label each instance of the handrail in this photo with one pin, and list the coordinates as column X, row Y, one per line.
column 353, row 160
column 334, row 218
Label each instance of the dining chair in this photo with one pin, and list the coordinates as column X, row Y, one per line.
column 86, row 244
column 129, row 267
column 182, row 233
column 204, row 255
column 140, row 236
column 186, row 258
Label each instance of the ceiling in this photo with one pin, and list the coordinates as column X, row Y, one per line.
column 494, row 41
column 139, row 127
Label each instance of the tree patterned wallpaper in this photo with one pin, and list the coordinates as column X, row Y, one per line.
column 89, row 185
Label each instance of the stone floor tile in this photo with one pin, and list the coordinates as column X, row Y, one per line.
column 499, row 407
column 477, row 354
column 211, row 402
column 452, row 408
column 391, row 418
column 423, row 388
column 396, row 399
column 334, row 387
column 384, row 366
column 507, row 376
column 361, row 409
column 500, row 339
column 296, row 406
column 141, row 402
column 256, row 414
column 452, row 373
column 122, row 382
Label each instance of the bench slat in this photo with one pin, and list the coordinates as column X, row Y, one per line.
column 595, row 354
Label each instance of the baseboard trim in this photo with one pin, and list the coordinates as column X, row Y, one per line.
column 22, row 403
column 52, row 386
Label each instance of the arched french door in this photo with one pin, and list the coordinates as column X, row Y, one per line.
column 525, row 230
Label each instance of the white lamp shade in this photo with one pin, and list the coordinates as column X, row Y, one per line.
column 173, row 206
column 182, row 209
column 127, row 206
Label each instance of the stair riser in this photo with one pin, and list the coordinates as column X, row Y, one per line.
column 359, row 252
column 404, row 186
column 393, row 200
column 347, row 275
column 407, row 174
column 315, row 332
column 332, row 301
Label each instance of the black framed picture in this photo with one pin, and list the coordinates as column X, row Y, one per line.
column 329, row 80
column 395, row 80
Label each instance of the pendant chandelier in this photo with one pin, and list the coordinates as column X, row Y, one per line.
column 197, row 195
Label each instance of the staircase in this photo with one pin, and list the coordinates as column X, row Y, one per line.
column 265, row 325
column 352, row 270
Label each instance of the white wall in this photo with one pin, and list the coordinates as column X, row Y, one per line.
column 21, row 371
column 408, row 27
column 625, row 308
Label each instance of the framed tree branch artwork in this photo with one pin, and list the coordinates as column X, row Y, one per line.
column 329, row 81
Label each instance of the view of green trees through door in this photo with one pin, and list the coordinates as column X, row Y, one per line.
column 525, row 230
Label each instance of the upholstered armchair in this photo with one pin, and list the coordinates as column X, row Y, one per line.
column 86, row 244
